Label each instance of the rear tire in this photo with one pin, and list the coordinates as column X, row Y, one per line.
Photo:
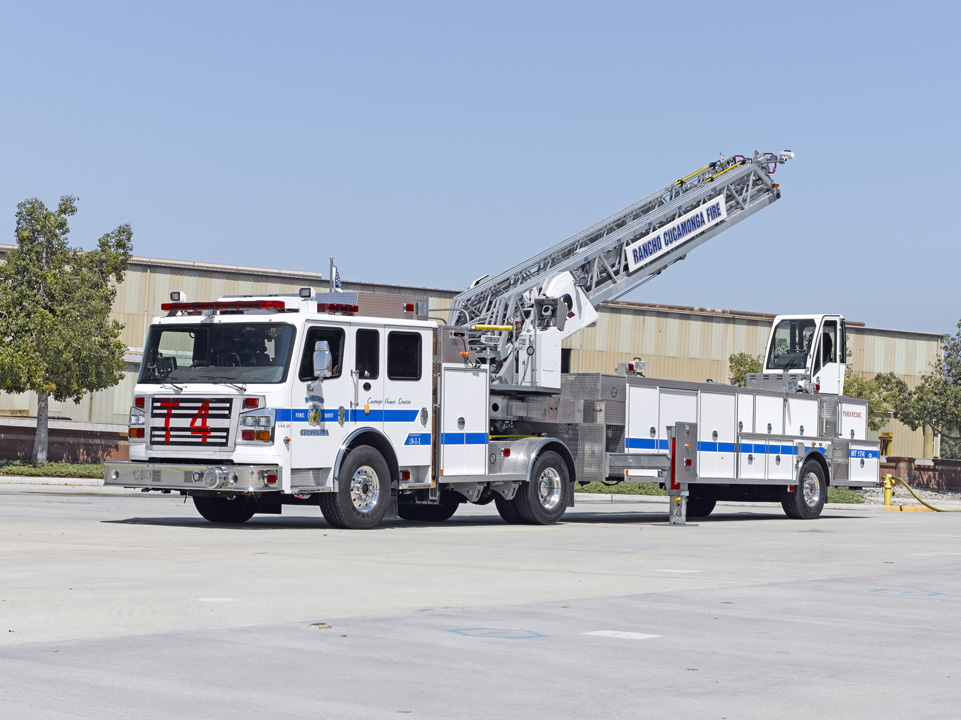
column 543, row 500
column 363, row 491
column 807, row 500
column 700, row 504
column 424, row 512
column 226, row 510
column 507, row 510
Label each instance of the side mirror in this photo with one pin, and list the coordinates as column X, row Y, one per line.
column 323, row 360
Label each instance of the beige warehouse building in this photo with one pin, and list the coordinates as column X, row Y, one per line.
column 676, row 343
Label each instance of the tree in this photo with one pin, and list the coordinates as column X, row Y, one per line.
column 741, row 364
column 936, row 401
column 882, row 392
column 56, row 338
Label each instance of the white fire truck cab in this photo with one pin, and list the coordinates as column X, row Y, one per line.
column 229, row 404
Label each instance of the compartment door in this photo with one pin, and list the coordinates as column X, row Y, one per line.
column 864, row 463
column 853, row 420
column 780, row 460
column 801, row 415
column 716, row 435
column 641, row 432
column 769, row 414
column 675, row 406
column 463, row 420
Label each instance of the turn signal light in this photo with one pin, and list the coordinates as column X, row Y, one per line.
column 137, row 432
column 271, row 478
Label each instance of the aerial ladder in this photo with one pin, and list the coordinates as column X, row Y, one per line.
column 516, row 321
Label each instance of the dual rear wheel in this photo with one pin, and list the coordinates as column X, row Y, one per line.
column 544, row 498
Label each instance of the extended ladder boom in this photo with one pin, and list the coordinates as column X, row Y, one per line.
column 535, row 305
column 632, row 246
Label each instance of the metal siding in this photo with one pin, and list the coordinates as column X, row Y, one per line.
column 679, row 344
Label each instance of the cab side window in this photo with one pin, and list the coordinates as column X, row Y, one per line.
column 403, row 356
column 829, row 342
column 828, row 349
column 334, row 338
column 368, row 354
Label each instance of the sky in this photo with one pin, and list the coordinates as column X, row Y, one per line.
column 428, row 143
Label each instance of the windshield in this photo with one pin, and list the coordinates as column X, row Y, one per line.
column 791, row 344
column 223, row 353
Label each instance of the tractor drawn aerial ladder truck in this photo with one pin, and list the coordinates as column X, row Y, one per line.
column 358, row 402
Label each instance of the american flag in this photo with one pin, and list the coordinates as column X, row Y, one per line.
column 337, row 286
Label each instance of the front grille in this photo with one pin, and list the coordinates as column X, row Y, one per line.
column 190, row 422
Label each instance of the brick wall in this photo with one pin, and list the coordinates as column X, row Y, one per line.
column 935, row 474
column 64, row 445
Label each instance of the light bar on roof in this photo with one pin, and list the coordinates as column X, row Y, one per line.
column 223, row 305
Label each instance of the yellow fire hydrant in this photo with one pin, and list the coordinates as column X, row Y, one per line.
column 888, row 489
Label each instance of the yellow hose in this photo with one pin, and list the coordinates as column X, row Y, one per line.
column 737, row 164
column 684, row 179
column 927, row 505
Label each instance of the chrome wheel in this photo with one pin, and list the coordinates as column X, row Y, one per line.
column 811, row 488
column 364, row 488
column 549, row 488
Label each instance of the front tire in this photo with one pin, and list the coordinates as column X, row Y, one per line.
column 543, row 500
column 807, row 500
column 234, row 510
column 363, row 491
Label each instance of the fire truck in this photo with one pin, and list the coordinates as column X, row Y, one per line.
column 366, row 405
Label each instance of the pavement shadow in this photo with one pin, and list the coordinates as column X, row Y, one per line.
column 261, row 523
column 576, row 517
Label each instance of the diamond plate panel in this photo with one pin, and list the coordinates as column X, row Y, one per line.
column 372, row 304
column 590, row 451
column 839, row 469
column 829, row 416
column 770, row 383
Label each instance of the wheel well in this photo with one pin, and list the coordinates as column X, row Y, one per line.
column 819, row 458
column 560, row 449
column 381, row 445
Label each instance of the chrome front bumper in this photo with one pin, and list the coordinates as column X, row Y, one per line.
column 163, row 476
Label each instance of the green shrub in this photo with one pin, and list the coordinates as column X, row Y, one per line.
column 844, row 495
column 51, row 469
column 835, row 495
column 624, row 488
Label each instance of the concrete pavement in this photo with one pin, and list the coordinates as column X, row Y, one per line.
column 116, row 604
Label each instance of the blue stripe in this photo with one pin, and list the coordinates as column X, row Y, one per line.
column 867, row 454
column 391, row 416
column 819, row 449
column 723, row 447
column 763, row 449
column 646, row 444
column 464, row 438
